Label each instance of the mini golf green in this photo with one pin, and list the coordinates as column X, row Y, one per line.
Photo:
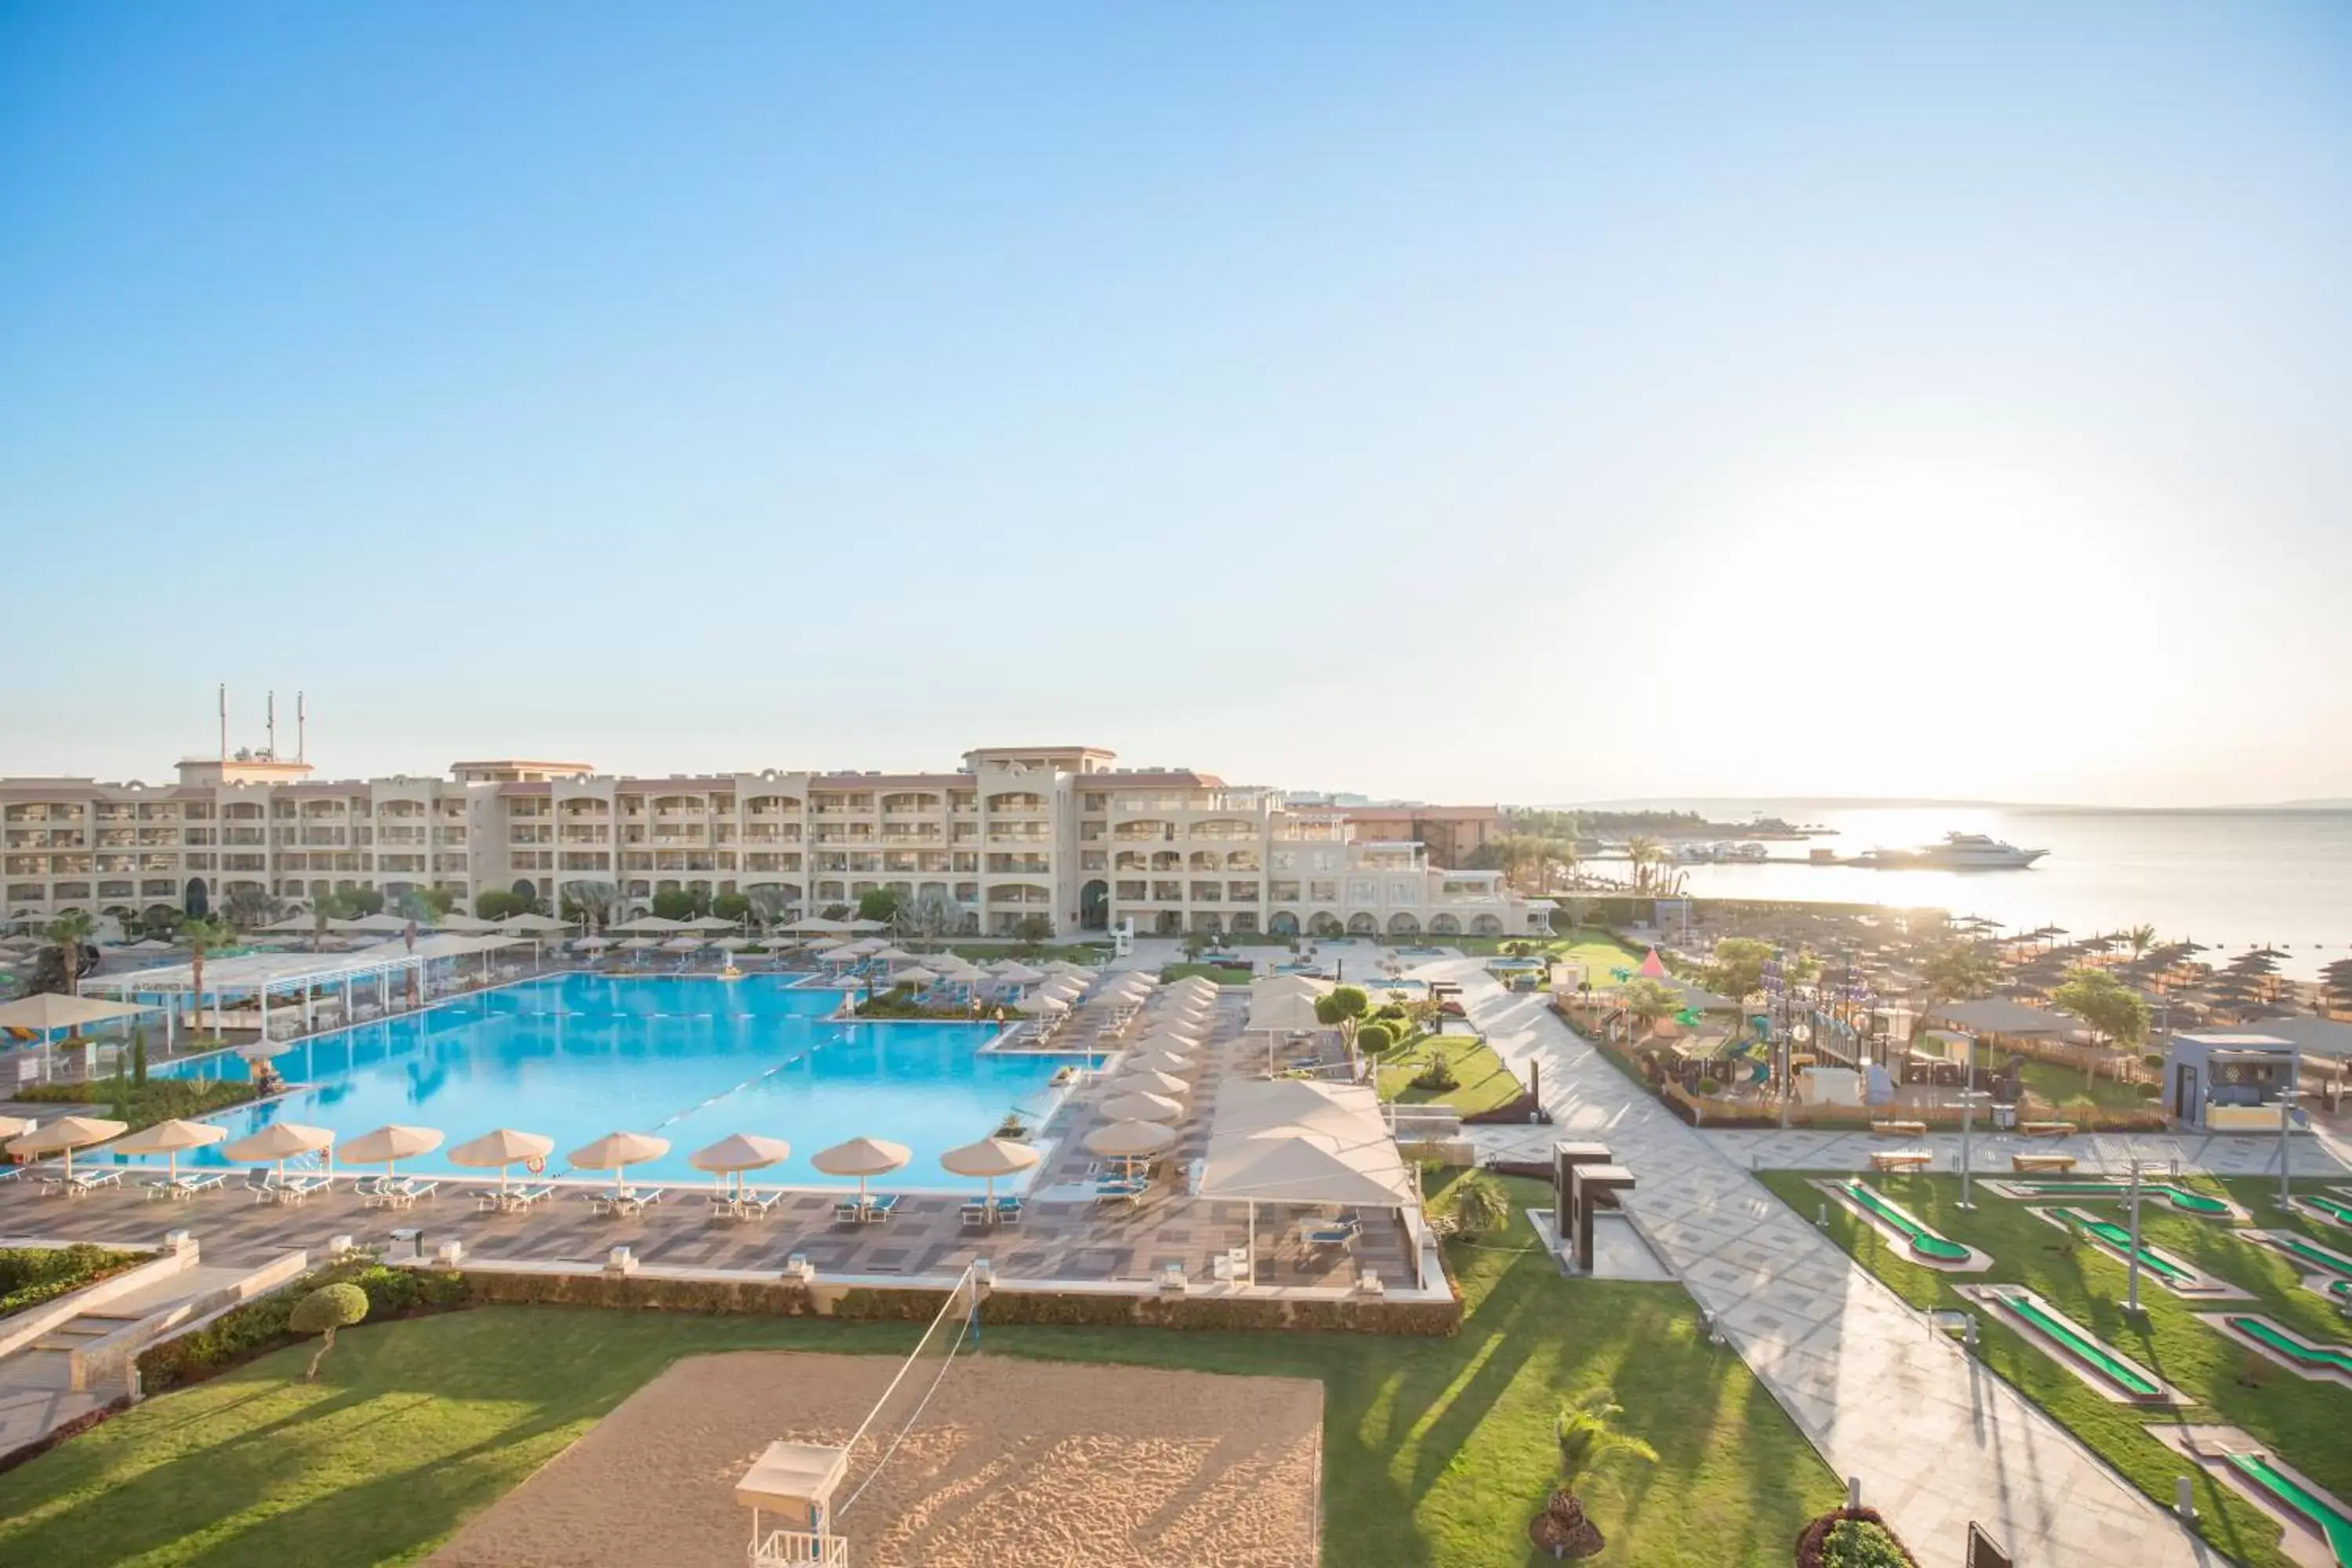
column 2325, row 1257
column 2300, row 1352
column 2334, row 1208
column 2332, row 1522
column 2082, row 1348
column 2181, row 1198
column 2119, row 1238
column 1925, row 1243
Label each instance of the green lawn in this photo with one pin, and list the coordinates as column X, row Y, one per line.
column 1485, row 1081
column 1436, row 1451
column 2307, row 1422
column 1596, row 950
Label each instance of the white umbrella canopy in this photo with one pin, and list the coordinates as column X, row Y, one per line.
column 17, row 1126
column 1167, row 1041
column 168, row 1139
column 533, row 924
column 277, row 1143
column 824, row 945
column 388, row 1144
column 262, row 1050
column 711, row 923
column 1159, row 1061
column 64, row 1135
column 1140, row 1106
column 733, row 943
column 647, row 925
column 617, row 1151
column 1149, row 1080
column 861, row 1158
column 471, row 924
column 989, row 1159
column 818, row 924
column 864, row 925
column 917, row 975
column 640, row 944
column 738, row 1153
column 1129, row 1140
column 1063, row 966
column 53, row 1010
column 501, row 1148
column 683, row 944
column 593, row 943
column 373, row 925
column 892, row 954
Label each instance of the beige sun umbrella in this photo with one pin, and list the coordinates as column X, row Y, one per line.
column 64, row 1135
column 916, row 976
column 387, row 1144
column 168, row 1138
column 501, row 1149
column 17, row 1126
column 1140, row 1106
column 1159, row 1061
column 617, row 1151
column 738, row 1153
column 1145, row 1080
column 1130, row 1141
column 989, row 1159
column 861, row 1158
column 1163, row 1035
column 277, row 1143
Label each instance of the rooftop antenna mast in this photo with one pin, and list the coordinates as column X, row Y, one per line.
column 302, row 722
column 223, row 724
column 273, row 726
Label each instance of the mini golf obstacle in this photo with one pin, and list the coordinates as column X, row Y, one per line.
column 2317, row 1524
column 1902, row 1229
column 2174, row 1274
column 790, row 1488
column 2312, row 1359
column 2107, row 1370
column 2182, row 1200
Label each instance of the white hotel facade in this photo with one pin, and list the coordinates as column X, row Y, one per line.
column 1055, row 831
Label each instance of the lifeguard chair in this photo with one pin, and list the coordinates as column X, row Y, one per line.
column 789, row 1490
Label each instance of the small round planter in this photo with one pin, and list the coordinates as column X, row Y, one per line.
column 1810, row 1540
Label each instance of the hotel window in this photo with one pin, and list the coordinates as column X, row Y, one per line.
column 1362, row 890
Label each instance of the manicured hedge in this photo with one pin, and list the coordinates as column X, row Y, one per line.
column 257, row 1326
column 32, row 1275
column 1851, row 1538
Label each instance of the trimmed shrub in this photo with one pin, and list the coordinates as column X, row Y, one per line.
column 1851, row 1538
column 32, row 1275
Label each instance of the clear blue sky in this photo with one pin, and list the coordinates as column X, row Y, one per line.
column 1530, row 402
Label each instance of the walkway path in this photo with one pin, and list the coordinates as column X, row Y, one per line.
column 1937, row 1440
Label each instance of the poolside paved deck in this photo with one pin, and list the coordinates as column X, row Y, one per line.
column 1064, row 1235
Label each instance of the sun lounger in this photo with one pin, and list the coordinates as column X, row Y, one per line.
column 848, row 1211
column 626, row 1201
column 262, row 1186
column 881, row 1207
column 369, row 1186
column 301, row 1187
column 759, row 1205
column 189, row 1186
column 401, row 1193
column 1008, row 1211
column 528, row 1197
column 975, row 1213
column 1314, row 1233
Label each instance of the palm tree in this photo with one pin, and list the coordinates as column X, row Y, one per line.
column 1645, row 852
column 2139, row 939
column 1589, row 1443
column 1648, row 1001
column 201, row 933
column 70, row 931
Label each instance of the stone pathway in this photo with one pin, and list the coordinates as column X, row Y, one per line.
column 1935, row 1439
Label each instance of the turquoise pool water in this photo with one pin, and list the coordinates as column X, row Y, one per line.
column 690, row 1059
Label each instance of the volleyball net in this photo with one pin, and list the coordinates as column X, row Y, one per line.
column 901, row 1406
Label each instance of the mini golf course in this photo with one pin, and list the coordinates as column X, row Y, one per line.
column 2303, row 1250
column 2335, row 1210
column 2292, row 1348
column 2180, row 1199
column 2117, row 1239
column 1925, row 1244
column 2334, row 1523
column 2126, row 1376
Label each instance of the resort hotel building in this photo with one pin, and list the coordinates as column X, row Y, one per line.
column 1059, row 832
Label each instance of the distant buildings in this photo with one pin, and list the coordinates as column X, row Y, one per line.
column 1053, row 831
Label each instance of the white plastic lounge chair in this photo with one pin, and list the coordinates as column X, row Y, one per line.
column 261, row 1184
column 301, row 1187
column 189, row 1186
column 881, row 1207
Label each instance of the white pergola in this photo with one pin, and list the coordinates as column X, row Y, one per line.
column 1288, row 1141
column 288, row 976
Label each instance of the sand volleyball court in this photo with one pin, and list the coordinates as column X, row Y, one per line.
column 1044, row 1464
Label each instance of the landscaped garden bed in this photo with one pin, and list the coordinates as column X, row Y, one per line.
column 30, row 1276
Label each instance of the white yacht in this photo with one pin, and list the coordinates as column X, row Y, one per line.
column 1976, row 852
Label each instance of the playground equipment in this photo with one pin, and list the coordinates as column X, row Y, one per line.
column 789, row 1489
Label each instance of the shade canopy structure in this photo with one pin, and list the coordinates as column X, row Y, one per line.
column 469, row 925
column 733, row 943
column 617, row 1151
column 955, row 966
column 1174, row 1042
column 389, row 1144
column 641, row 944
column 265, row 973
column 64, row 1135
column 51, row 1011
column 1019, row 974
column 501, row 1148
column 892, row 954
column 290, row 924
column 1140, row 1106
column 169, row 1138
column 1159, row 1061
column 647, row 925
column 914, row 976
column 593, row 943
column 263, row 1050
column 372, row 925
column 684, row 944
column 17, row 1126
column 1998, row 1015
column 862, row 1158
column 864, row 925
column 1129, row 1140
column 532, row 925
column 1291, row 985
column 824, row 945
column 1284, row 1013
column 1291, row 1142
column 738, row 1153
column 1063, row 966
column 711, row 923
column 277, row 1143
column 818, row 925
column 1151, row 1080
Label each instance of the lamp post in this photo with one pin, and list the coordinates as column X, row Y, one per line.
column 2131, row 1279
column 2287, row 1098
column 1970, row 1096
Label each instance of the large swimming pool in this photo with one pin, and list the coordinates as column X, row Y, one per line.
column 690, row 1059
